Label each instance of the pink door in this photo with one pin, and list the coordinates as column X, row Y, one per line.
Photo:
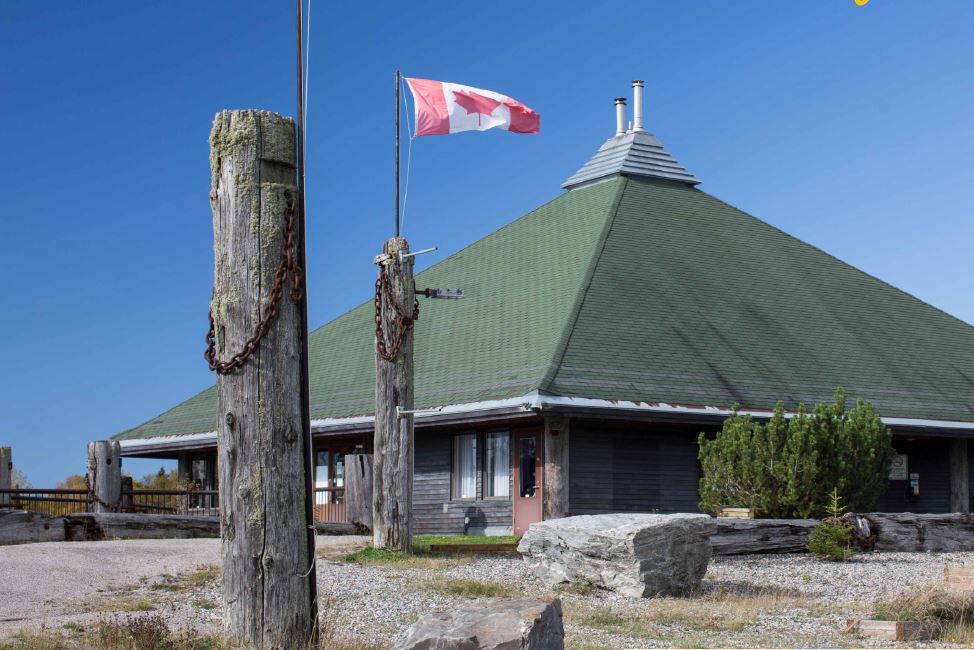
column 527, row 480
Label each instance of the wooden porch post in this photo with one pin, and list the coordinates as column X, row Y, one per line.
column 557, row 435
column 959, row 494
column 392, row 488
column 183, row 471
column 105, row 474
column 6, row 472
column 261, row 440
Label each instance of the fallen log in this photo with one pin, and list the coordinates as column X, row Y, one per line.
column 89, row 526
column 337, row 528
column 905, row 531
column 743, row 536
column 23, row 527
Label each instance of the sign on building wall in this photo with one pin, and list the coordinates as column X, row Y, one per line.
column 898, row 468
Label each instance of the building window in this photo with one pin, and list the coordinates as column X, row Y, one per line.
column 497, row 465
column 465, row 466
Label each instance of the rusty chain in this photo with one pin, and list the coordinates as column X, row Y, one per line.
column 404, row 321
column 94, row 498
column 288, row 266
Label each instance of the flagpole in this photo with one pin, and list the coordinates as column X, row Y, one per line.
column 398, row 76
column 302, row 255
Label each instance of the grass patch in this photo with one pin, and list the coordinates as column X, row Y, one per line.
column 370, row 556
column 469, row 588
column 577, row 587
column 202, row 576
column 422, row 543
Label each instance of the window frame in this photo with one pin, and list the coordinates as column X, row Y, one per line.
column 510, row 468
column 455, row 466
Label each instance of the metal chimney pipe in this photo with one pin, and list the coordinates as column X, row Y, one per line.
column 620, row 116
column 637, row 105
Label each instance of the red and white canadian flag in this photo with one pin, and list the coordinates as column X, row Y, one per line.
column 443, row 108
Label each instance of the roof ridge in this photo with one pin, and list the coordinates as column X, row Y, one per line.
column 837, row 259
column 583, row 288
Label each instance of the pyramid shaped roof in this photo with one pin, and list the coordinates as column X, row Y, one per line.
column 650, row 291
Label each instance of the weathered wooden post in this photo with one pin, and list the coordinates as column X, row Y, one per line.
column 358, row 490
column 105, row 474
column 557, row 438
column 959, row 482
column 256, row 336
column 396, row 313
column 6, row 473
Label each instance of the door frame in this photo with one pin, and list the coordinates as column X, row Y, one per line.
column 516, row 436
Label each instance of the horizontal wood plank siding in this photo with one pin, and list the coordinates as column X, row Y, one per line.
column 431, row 489
column 638, row 468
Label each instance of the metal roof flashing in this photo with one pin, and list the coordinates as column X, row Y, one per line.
column 635, row 153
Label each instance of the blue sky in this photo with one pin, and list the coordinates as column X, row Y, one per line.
column 850, row 127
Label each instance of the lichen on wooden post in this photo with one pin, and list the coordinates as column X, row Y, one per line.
column 557, row 437
column 105, row 474
column 392, row 494
column 267, row 583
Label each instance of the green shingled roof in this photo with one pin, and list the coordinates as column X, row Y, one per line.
column 653, row 291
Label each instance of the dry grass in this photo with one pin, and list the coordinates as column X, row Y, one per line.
column 722, row 611
column 203, row 576
column 933, row 604
column 148, row 633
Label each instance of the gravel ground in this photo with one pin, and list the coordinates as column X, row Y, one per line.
column 749, row 601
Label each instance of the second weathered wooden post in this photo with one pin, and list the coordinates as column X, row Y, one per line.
column 256, row 346
column 358, row 490
column 6, row 473
column 105, row 474
column 396, row 313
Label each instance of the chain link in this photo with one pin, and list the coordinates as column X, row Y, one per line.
column 405, row 322
column 288, row 266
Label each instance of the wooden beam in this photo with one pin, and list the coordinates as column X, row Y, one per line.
column 557, row 438
column 358, row 490
column 261, row 447
column 105, row 474
column 6, row 473
column 392, row 492
column 959, row 477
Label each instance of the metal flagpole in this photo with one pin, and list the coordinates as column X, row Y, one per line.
column 302, row 255
column 398, row 77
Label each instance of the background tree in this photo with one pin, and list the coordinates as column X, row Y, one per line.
column 789, row 466
column 18, row 480
column 161, row 480
column 73, row 482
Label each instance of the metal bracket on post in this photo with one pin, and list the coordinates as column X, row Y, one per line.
column 442, row 294
column 401, row 412
column 403, row 256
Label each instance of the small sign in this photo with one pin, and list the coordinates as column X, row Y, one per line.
column 898, row 468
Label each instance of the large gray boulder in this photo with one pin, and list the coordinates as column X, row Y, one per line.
column 634, row 554
column 525, row 624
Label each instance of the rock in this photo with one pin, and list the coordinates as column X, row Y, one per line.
column 905, row 531
column 525, row 624
column 637, row 555
column 741, row 536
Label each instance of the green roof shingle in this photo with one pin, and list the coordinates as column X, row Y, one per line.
column 647, row 290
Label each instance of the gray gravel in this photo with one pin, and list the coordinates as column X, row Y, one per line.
column 52, row 583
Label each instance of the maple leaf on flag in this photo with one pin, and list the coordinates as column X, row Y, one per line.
column 475, row 103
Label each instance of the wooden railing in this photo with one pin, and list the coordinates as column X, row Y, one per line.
column 329, row 503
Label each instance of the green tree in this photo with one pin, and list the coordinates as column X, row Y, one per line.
column 789, row 466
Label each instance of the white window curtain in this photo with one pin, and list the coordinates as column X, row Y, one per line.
column 498, row 478
column 465, row 466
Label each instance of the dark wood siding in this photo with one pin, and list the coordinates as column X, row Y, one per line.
column 431, row 490
column 637, row 468
column 929, row 458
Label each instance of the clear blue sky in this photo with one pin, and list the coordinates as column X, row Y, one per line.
column 850, row 127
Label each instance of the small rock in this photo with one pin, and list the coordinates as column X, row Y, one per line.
column 637, row 555
column 524, row 624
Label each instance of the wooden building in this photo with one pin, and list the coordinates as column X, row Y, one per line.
column 599, row 334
